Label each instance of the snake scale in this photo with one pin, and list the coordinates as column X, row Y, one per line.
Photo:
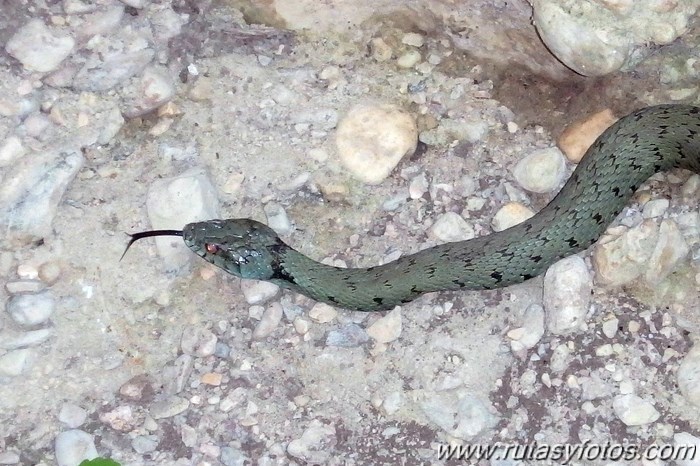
column 638, row 145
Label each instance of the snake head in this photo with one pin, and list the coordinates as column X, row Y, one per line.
column 240, row 246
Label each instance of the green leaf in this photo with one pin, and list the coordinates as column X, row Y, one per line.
column 99, row 462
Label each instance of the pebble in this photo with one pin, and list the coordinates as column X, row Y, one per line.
column 689, row 441
column 381, row 52
column 169, row 407
column 257, row 292
column 579, row 136
column 301, row 326
column 347, row 336
column 450, row 130
column 387, row 328
column 30, row 203
column 634, row 411
column 24, row 286
column 418, row 187
column 198, row 341
column 39, row 48
column 670, row 250
column 138, row 388
column 323, row 313
column 154, row 89
column 567, row 293
column 688, row 376
column 409, row 59
column 459, row 413
column 72, row 415
column 176, row 201
column 11, row 150
column 622, row 260
column 73, row 446
column 277, row 218
column 610, row 327
column 25, row 339
column 269, row 321
column 9, row 457
column 413, row 39
column 313, row 445
column 531, row 332
column 655, row 208
column 450, row 226
column 31, row 309
column 233, row 457
column 510, row 215
column 144, row 443
column 14, row 362
column 541, row 171
column 689, row 189
column 372, row 139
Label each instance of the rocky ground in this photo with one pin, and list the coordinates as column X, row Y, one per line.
column 123, row 116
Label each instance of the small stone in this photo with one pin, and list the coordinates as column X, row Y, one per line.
column 233, row 457
column 689, row 189
column 532, row 330
column 610, row 327
column 198, row 341
column 31, row 309
column 689, row 442
column 38, row 48
column 409, row 59
column 541, row 171
column 579, row 136
column 655, row 208
column 121, row 418
column 413, row 39
column 669, row 251
column 72, row 415
column 418, row 186
column 137, row 388
column 386, row 329
column 11, row 150
column 314, row 444
column 212, row 378
column 510, row 215
column 567, row 293
column 14, row 362
column 688, row 376
column 372, row 140
column 301, row 325
column 634, row 411
column 622, row 260
column 154, row 89
column 450, row 226
column 347, row 336
column 269, row 321
column 323, row 313
column 277, row 218
column 459, row 413
column 144, row 443
column 25, row 339
column 380, row 50
column 257, row 292
column 169, row 407
column 73, row 447
column 24, row 286
column 9, row 457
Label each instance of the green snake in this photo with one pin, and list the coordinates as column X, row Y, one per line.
column 638, row 145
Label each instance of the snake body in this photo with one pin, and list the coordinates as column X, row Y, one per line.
column 638, row 145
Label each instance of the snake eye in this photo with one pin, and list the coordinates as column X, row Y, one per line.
column 212, row 248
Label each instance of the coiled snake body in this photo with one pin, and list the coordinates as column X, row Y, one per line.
column 647, row 141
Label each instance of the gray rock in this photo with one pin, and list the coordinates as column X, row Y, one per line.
column 459, row 413
column 31, row 309
column 72, row 415
column 347, row 336
column 144, row 443
column 39, row 48
column 233, row 457
column 169, row 407
column 634, row 411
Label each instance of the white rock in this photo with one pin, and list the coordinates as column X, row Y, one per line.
column 567, row 293
column 689, row 189
column 541, row 171
column 270, row 319
column 688, row 376
column 313, row 445
column 684, row 440
column 174, row 202
column 510, row 215
column 372, row 140
column 11, row 150
column 72, row 415
column 655, row 208
column 386, row 329
column 610, row 327
column 450, row 226
column 622, row 260
column 38, row 48
column 634, row 411
column 14, row 362
column 73, row 447
column 154, row 89
column 277, row 218
column 31, row 309
column 409, row 59
column 323, row 313
column 532, row 330
column 418, row 186
column 413, row 39
column 669, row 251
column 256, row 292
column 459, row 413
column 23, row 340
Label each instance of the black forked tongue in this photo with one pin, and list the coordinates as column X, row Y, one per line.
column 146, row 234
